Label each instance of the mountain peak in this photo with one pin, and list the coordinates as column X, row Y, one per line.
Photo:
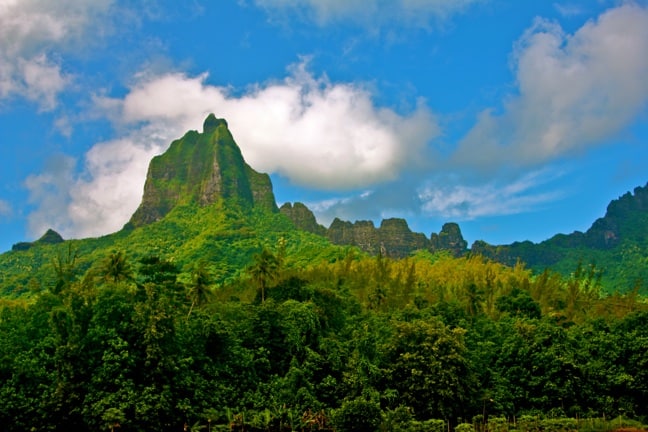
column 202, row 168
column 50, row 237
column 212, row 123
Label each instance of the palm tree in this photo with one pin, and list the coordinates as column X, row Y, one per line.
column 474, row 297
column 264, row 270
column 199, row 292
column 65, row 268
column 116, row 267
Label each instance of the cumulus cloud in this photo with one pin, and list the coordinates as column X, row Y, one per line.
column 370, row 12
column 104, row 196
column 573, row 90
column 314, row 132
column 29, row 31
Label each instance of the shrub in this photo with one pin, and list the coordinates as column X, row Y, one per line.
column 358, row 415
column 465, row 427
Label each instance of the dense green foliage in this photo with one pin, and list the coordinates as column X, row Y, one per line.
column 223, row 235
column 145, row 342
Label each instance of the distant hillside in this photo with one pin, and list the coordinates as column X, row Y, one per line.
column 617, row 244
column 50, row 237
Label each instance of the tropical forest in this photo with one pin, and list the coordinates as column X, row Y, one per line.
column 213, row 309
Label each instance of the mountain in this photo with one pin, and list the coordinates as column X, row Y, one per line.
column 203, row 203
column 617, row 244
column 303, row 218
column 202, row 168
column 50, row 237
column 393, row 238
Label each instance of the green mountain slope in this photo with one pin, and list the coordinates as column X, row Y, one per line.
column 202, row 168
column 201, row 203
column 617, row 244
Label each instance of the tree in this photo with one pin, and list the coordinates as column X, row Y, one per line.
column 539, row 363
column 473, row 297
column 113, row 417
column 264, row 270
column 518, row 303
column 199, row 292
column 358, row 415
column 116, row 268
column 65, row 269
column 111, row 388
column 429, row 368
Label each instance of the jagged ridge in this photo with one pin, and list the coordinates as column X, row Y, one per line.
column 206, row 167
column 392, row 238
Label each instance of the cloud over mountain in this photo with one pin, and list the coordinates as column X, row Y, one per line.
column 571, row 91
column 312, row 131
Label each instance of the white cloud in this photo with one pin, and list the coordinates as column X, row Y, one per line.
column 50, row 192
column 458, row 201
column 41, row 81
column 317, row 133
column 568, row 9
column 103, row 201
column 314, row 132
column 445, row 196
column 104, row 197
column 5, row 208
column 29, row 31
column 370, row 12
column 574, row 90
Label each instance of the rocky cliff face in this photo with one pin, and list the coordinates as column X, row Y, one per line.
column 303, row 218
column 449, row 239
column 621, row 219
column 202, row 168
column 360, row 233
column 394, row 238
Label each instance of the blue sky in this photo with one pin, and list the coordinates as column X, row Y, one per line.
column 516, row 119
